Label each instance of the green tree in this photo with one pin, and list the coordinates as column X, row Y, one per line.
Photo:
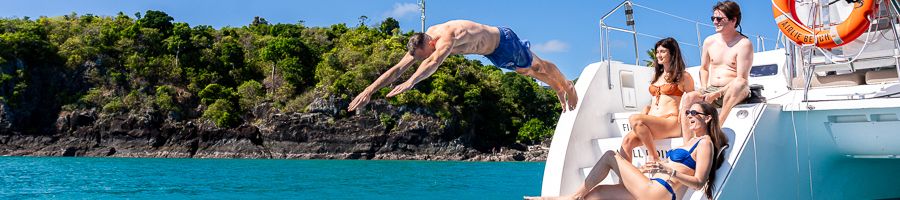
column 230, row 54
column 534, row 130
column 158, row 20
column 250, row 92
column 388, row 25
column 651, row 53
column 26, row 47
column 293, row 58
column 222, row 113
column 114, row 106
column 222, row 108
column 362, row 20
column 214, row 92
column 337, row 30
column 286, row 30
column 179, row 41
column 165, row 99
column 259, row 21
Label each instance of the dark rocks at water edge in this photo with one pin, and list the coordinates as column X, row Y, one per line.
column 318, row 134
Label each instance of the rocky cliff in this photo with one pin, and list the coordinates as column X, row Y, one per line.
column 382, row 133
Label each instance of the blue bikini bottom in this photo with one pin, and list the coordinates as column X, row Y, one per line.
column 665, row 184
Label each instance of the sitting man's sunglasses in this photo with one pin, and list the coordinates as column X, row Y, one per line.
column 693, row 113
column 714, row 18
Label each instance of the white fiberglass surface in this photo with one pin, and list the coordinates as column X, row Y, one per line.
column 793, row 155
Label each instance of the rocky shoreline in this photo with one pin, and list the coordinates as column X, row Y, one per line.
column 313, row 135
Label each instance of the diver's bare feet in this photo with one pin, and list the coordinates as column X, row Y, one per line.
column 571, row 95
column 561, row 95
column 567, row 97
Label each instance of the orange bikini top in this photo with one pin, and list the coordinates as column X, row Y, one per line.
column 670, row 89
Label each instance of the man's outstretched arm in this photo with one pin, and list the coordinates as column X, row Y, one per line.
column 388, row 77
column 428, row 66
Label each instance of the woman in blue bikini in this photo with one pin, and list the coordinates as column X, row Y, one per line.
column 693, row 165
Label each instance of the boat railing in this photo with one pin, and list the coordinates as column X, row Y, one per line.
column 808, row 59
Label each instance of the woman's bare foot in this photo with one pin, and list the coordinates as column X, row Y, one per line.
column 573, row 196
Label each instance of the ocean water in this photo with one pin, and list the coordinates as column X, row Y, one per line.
column 153, row 178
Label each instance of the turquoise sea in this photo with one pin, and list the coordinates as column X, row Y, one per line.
column 154, row 178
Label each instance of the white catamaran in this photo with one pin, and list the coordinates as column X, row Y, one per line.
column 829, row 128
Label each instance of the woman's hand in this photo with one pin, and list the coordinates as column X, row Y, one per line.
column 656, row 167
column 646, row 168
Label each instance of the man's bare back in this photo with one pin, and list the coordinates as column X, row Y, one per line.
column 723, row 56
column 469, row 37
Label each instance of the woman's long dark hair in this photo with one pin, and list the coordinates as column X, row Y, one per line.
column 675, row 58
column 719, row 140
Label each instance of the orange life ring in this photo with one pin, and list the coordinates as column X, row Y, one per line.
column 854, row 26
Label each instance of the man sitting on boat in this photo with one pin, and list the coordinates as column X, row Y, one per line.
column 724, row 63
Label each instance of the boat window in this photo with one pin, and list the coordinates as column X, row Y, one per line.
column 628, row 92
column 763, row 70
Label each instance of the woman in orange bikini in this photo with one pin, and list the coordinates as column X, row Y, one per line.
column 660, row 119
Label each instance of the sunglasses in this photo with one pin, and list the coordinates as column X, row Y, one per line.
column 693, row 113
column 714, row 18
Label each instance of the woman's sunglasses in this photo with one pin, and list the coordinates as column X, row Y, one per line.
column 693, row 113
column 714, row 18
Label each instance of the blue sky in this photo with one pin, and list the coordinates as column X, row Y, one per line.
column 564, row 32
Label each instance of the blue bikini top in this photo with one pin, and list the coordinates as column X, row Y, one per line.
column 684, row 157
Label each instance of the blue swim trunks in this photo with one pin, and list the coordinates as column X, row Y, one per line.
column 511, row 53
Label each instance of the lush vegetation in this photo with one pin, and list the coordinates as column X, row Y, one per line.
column 148, row 62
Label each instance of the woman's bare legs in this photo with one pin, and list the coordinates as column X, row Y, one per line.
column 599, row 172
column 646, row 129
column 630, row 142
column 617, row 191
column 634, row 183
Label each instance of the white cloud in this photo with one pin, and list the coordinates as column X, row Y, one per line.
column 401, row 10
column 552, row 46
